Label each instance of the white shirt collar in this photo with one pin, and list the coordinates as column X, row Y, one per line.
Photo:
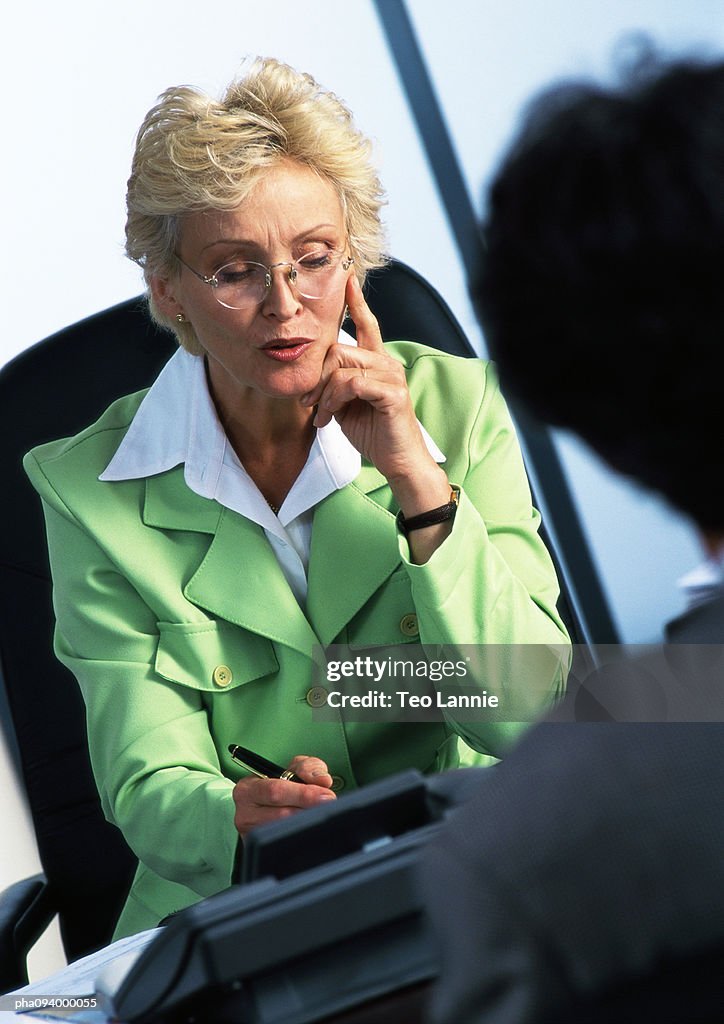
column 176, row 423
column 704, row 581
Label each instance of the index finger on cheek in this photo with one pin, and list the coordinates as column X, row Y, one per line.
column 368, row 330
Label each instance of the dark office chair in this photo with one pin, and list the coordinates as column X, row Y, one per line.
column 53, row 390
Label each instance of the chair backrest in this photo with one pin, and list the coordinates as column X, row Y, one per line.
column 53, row 390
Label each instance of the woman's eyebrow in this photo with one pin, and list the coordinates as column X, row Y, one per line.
column 252, row 244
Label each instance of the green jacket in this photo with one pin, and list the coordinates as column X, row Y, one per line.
column 184, row 636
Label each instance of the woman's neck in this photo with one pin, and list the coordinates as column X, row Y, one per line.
column 272, row 439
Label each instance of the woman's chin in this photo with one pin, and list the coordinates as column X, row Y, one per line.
column 291, row 385
column 291, row 378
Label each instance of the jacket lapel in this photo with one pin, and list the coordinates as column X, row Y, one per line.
column 171, row 505
column 354, row 550
column 239, row 579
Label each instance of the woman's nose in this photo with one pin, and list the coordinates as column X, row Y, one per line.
column 282, row 299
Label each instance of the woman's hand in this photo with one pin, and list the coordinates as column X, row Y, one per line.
column 365, row 390
column 260, row 800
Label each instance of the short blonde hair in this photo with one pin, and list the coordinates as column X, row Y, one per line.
column 194, row 153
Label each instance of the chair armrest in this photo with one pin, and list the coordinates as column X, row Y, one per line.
column 25, row 912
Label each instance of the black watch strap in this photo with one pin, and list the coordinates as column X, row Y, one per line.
column 441, row 514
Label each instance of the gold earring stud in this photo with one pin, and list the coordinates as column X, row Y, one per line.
column 181, row 318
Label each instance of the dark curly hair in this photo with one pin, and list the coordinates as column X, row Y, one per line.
column 602, row 290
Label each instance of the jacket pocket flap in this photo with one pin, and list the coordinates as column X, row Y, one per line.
column 388, row 619
column 212, row 656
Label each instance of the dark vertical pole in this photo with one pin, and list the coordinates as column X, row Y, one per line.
column 422, row 99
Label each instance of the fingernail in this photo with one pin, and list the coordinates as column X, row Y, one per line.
column 320, row 771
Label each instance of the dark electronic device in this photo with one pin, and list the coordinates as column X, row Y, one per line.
column 328, row 925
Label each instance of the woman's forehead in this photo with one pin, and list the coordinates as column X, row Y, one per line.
column 288, row 202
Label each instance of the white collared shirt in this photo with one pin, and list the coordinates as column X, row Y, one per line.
column 176, row 423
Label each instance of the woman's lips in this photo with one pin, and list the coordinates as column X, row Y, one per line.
column 286, row 351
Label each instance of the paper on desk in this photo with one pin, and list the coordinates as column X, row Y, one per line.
column 104, row 969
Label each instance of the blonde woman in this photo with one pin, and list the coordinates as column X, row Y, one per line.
column 279, row 487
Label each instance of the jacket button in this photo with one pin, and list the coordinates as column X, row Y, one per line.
column 222, row 675
column 316, row 697
column 337, row 783
column 408, row 625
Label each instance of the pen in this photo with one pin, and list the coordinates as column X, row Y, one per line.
column 260, row 766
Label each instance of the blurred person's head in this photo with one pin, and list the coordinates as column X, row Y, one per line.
column 602, row 290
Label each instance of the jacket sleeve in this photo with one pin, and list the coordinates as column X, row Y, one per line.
column 489, row 592
column 151, row 749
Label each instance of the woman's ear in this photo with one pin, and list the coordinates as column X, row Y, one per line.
column 163, row 292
